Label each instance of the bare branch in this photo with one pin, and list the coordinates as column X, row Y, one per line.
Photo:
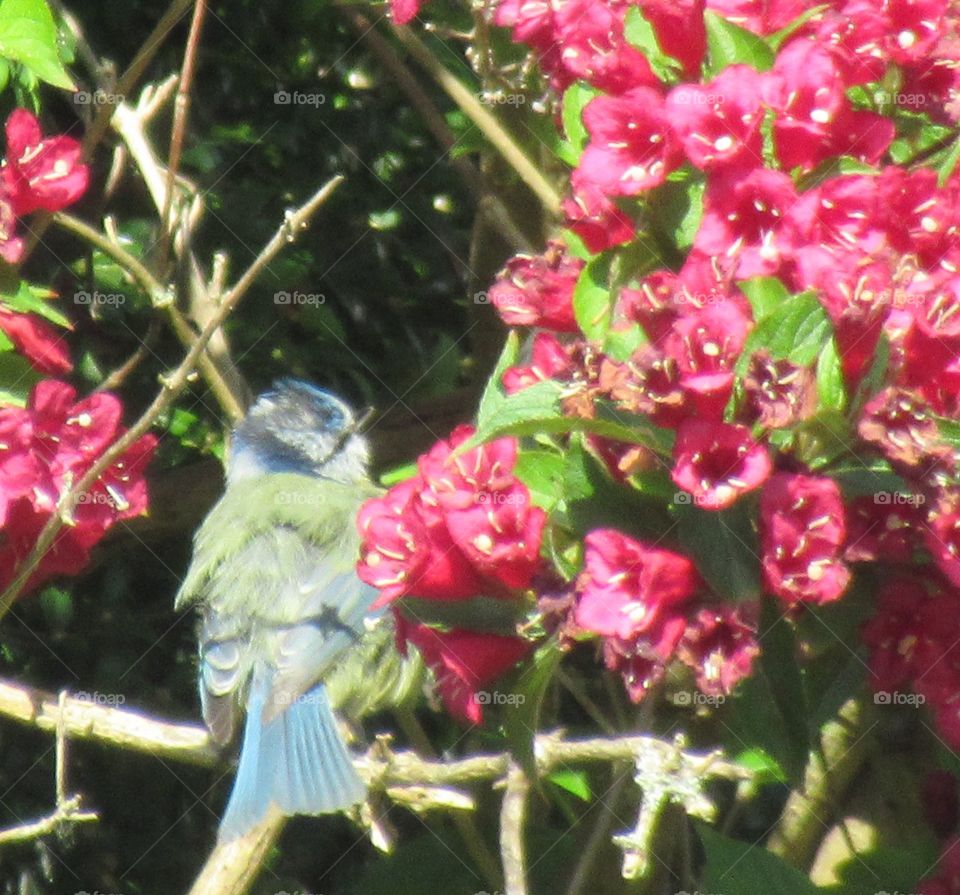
column 513, row 814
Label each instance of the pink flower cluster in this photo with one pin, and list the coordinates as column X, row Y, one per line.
column 39, row 173
column 641, row 600
column 463, row 527
column 44, row 449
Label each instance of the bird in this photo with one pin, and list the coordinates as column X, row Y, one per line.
column 273, row 577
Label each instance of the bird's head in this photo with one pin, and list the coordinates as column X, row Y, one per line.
column 296, row 427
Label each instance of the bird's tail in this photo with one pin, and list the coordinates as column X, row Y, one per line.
column 297, row 761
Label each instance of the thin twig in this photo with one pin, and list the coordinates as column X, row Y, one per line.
column 513, row 814
column 160, row 298
column 67, row 813
column 233, row 866
column 173, row 385
column 181, row 110
column 117, row 377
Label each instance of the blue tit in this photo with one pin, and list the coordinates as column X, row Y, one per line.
column 273, row 578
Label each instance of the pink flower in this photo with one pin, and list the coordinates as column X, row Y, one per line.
column 814, row 118
column 595, row 218
column 679, row 29
column 777, row 393
column 48, row 446
column 720, row 645
column 719, row 123
column 537, row 290
column 629, row 588
column 706, row 343
column 900, row 641
column 900, row 424
column 462, row 662
column 642, row 662
column 942, row 534
column 718, row 462
column 742, row 215
column 881, row 531
column 37, row 341
column 632, row 148
column 593, row 47
column 407, row 549
column 802, row 533
column 914, row 27
column 404, row 11
column 548, row 359
column 41, row 172
column 462, row 527
column 759, row 16
column 500, row 535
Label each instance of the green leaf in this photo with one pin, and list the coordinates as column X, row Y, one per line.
column 736, row 868
column 777, row 39
column 765, row 295
column 723, row 545
column 542, row 473
column 493, row 395
column 780, row 667
column 831, row 388
column 798, row 330
column 488, row 614
column 17, row 378
column 521, row 719
column 575, row 99
column 398, row 474
column 764, row 767
column 531, row 410
column 28, row 35
column 679, row 209
column 640, row 34
column 574, row 782
column 27, row 299
column 592, row 299
column 729, row 44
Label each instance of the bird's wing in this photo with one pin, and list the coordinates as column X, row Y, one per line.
column 274, row 571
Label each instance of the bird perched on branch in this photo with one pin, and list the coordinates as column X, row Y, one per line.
column 273, row 577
